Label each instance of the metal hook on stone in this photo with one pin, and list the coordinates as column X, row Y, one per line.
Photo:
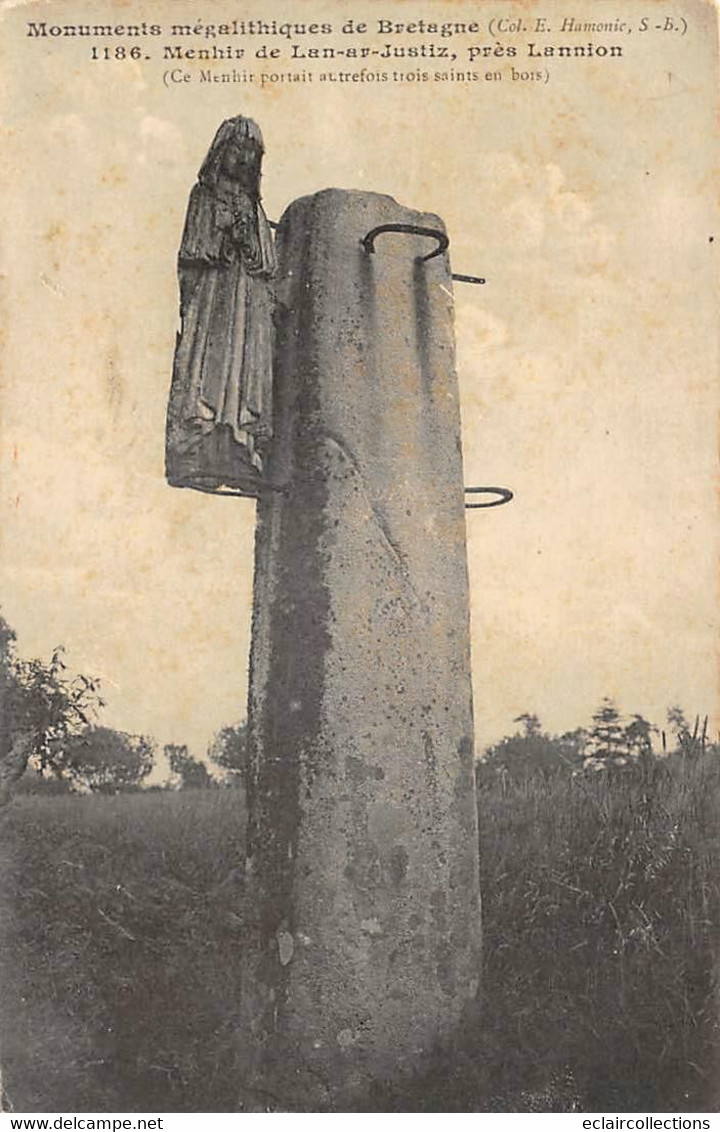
column 504, row 495
column 368, row 242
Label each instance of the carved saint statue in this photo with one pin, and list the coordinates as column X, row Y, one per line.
column 220, row 411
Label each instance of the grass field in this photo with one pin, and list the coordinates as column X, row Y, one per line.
column 122, row 918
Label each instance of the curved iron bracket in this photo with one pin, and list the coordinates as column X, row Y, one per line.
column 504, row 496
column 368, row 242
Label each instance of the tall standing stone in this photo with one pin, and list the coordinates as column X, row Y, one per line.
column 362, row 858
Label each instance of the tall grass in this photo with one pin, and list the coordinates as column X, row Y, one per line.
column 602, row 909
column 122, row 919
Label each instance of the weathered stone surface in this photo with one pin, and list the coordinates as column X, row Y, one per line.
column 362, row 867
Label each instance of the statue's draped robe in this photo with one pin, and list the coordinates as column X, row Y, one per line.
column 220, row 412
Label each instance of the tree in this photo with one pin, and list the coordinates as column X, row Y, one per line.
column 605, row 746
column 677, row 720
column 576, row 739
column 612, row 743
column 9, row 688
column 41, row 709
column 689, row 742
column 637, row 737
column 529, row 752
column 192, row 772
column 229, row 750
column 107, row 761
column 531, row 724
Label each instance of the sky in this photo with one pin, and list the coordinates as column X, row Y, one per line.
column 587, row 363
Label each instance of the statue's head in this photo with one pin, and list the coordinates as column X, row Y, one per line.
column 236, row 154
